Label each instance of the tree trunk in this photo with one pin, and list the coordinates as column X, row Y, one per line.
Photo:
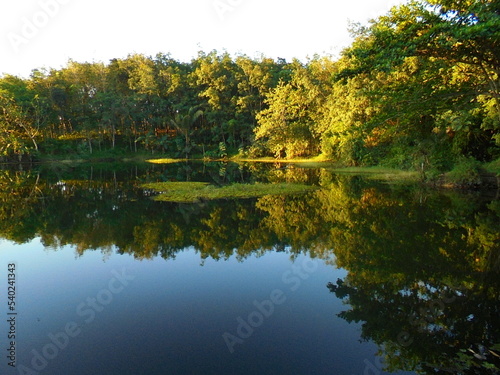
column 34, row 143
column 90, row 144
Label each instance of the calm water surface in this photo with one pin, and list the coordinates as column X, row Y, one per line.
column 356, row 277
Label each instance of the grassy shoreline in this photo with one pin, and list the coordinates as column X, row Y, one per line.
column 463, row 176
column 189, row 192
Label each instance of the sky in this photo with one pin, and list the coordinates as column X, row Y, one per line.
column 47, row 33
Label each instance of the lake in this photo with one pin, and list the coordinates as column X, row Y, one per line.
column 354, row 277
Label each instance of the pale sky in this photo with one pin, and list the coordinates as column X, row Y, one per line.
column 46, row 33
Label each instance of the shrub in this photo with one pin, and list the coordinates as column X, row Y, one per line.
column 465, row 172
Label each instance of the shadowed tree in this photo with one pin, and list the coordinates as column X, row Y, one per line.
column 184, row 124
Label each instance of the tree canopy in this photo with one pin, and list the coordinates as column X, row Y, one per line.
column 418, row 88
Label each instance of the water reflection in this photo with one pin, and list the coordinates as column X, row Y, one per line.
column 423, row 267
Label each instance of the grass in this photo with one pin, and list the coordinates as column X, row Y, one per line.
column 188, row 192
column 310, row 162
column 315, row 159
column 389, row 175
column 95, row 157
column 163, row 187
column 165, row 161
column 380, row 173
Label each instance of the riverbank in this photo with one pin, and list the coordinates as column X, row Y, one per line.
column 468, row 174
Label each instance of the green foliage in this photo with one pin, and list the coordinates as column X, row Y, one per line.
column 493, row 167
column 195, row 191
column 288, row 128
column 222, row 150
column 465, row 173
column 419, row 88
column 419, row 61
column 184, row 124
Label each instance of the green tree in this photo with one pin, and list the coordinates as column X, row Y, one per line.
column 184, row 124
column 289, row 126
column 437, row 56
column 23, row 117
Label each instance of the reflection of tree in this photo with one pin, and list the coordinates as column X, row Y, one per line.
column 20, row 192
column 297, row 221
column 424, row 280
column 96, row 209
column 423, row 269
column 431, row 327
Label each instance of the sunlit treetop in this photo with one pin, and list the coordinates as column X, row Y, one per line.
column 461, row 31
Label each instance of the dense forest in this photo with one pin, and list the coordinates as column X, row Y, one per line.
column 419, row 88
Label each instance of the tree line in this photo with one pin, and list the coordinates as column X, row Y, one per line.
column 418, row 88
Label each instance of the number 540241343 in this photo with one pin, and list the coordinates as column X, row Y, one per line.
column 11, row 282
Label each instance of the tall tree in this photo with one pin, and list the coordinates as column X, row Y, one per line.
column 453, row 48
column 184, row 124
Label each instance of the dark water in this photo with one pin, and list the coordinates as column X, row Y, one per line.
column 357, row 277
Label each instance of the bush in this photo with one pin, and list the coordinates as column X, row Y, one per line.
column 465, row 172
column 493, row 166
column 258, row 150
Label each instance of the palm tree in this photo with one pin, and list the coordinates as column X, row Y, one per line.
column 184, row 124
